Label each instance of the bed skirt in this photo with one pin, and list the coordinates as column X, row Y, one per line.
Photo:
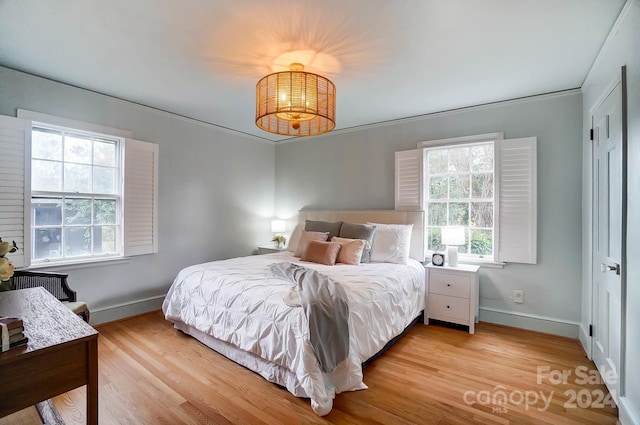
column 268, row 370
column 272, row 372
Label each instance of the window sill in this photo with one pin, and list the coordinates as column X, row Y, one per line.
column 80, row 264
column 482, row 263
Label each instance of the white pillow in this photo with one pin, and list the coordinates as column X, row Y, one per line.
column 391, row 243
column 306, row 238
column 294, row 238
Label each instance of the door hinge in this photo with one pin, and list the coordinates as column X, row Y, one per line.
column 590, row 330
column 591, row 134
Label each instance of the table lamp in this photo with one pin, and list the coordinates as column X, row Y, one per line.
column 452, row 237
column 278, row 226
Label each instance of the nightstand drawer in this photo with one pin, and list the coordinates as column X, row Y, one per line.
column 444, row 307
column 269, row 249
column 450, row 284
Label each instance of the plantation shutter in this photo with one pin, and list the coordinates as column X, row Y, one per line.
column 517, row 203
column 15, row 186
column 409, row 180
column 140, row 197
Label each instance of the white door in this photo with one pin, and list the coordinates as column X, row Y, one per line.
column 607, row 238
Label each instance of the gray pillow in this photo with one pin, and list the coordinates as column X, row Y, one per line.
column 323, row 226
column 359, row 231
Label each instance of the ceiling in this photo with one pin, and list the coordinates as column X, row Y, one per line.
column 388, row 59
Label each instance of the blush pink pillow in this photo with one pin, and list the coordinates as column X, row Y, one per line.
column 306, row 237
column 351, row 250
column 321, row 252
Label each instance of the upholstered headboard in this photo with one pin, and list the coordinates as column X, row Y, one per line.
column 376, row 216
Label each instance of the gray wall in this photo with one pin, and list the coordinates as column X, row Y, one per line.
column 622, row 48
column 216, row 191
column 355, row 170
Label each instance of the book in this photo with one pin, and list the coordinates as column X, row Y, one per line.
column 16, row 337
column 15, row 344
column 11, row 322
column 11, row 333
column 16, row 331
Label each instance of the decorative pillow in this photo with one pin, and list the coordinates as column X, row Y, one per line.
column 359, row 231
column 391, row 243
column 323, row 226
column 307, row 237
column 351, row 250
column 295, row 238
column 321, row 252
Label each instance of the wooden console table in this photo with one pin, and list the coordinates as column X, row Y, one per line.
column 62, row 353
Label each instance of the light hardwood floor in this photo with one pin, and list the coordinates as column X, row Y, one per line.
column 153, row 374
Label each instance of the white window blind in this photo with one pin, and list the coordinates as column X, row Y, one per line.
column 15, row 194
column 517, row 184
column 409, row 170
column 140, row 197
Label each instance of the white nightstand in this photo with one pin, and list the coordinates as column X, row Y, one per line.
column 452, row 294
column 269, row 249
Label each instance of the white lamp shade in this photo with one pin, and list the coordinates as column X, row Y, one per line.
column 278, row 226
column 453, row 235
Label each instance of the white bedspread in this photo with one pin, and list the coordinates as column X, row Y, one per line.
column 240, row 303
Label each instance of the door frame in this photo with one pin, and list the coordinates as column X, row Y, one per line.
column 622, row 80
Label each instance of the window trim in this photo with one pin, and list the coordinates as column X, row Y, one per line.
column 457, row 142
column 488, row 137
column 497, row 138
column 52, row 120
column 78, row 264
column 83, row 131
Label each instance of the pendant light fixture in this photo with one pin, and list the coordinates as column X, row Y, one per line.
column 295, row 103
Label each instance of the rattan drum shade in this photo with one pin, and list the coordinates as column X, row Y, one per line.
column 295, row 103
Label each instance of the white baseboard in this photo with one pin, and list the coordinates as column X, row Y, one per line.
column 530, row 321
column 585, row 340
column 121, row 311
column 626, row 412
column 501, row 317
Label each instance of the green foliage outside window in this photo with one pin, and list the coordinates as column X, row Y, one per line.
column 460, row 193
column 481, row 242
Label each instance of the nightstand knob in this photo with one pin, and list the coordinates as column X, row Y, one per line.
column 448, row 307
column 448, row 284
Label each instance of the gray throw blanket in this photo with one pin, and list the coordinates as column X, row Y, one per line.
column 325, row 303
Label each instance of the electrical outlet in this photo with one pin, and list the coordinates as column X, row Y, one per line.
column 518, row 296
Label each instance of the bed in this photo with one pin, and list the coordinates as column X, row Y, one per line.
column 239, row 308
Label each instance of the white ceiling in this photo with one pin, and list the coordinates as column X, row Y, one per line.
column 388, row 59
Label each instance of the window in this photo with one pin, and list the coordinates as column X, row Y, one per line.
column 459, row 192
column 75, row 195
column 74, row 192
column 483, row 183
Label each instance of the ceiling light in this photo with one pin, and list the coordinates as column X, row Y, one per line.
column 295, row 103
